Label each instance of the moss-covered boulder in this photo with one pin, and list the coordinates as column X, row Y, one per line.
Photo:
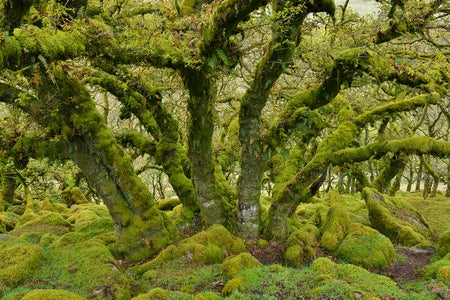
column 32, row 226
column 91, row 219
column 87, row 267
column 168, row 204
column 8, row 221
column 234, row 264
column 162, row 294
column 182, row 217
column 51, row 294
column 73, row 195
column 335, row 228
column 210, row 246
column 365, row 247
column 354, row 282
column 18, row 261
column 233, row 285
column 396, row 219
column 438, row 269
column 300, row 245
column 206, row 296
column 443, row 246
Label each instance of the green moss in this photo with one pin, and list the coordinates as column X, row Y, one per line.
column 443, row 273
column 234, row 264
column 220, row 236
column 73, row 195
column 443, row 246
column 183, row 217
column 32, row 225
column 162, row 294
column 335, row 228
column 385, row 222
column 8, row 221
column 18, row 262
column 84, row 267
column 206, row 296
column 366, row 247
column 208, row 246
column 51, row 295
column 432, row 270
column 300, row 245
column 233, row 285
column 168, row 204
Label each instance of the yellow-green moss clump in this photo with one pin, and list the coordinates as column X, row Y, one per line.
column 233, row 285
column 243, row 261
column 18, row 262
column 350, row 279
column 210, row 246
column 32, row 226
column 300, row 245
column 382, row 218
column 438, row 269
column 168, row 204
column 443, row 246
column 335, row 228
column 90, row 219
column 8, row 221
column 51, row 295
column 162, row 294
column 73, row 195
column 366, row 247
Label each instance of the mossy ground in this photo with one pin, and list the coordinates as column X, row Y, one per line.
column 71, row 251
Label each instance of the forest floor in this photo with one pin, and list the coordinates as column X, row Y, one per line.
column 69, row 251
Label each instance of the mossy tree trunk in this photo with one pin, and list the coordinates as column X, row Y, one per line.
column 8, row 184
column 147, row 107
column 84, row 137
column 299, row 188
column 277, row 56
column 202, row 97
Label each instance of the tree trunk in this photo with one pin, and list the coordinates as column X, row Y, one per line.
column 447, row 191
column 7, row 188
column 141, row 230
column 202, row 96
column 419, row 176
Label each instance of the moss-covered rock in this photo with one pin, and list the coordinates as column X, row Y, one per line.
column 183, row 217
column 162, row 294
column 8, row 221
column 91, row 219
column 206, row 296
column 438, row 267
column 32, row 226
column 300, row 245
column 335, row 228
column 168, row 204
column 73, row 195
column 234, row 264
column 366, row 247
column 233, row 285
column 18, row 262
column 51, row 294
column 210, row 246
column 396, row 219
column 443, row 246
column 86, row 267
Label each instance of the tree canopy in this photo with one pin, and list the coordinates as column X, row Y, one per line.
column 230, row 99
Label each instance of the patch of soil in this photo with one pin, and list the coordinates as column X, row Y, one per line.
column 406, row 270
column 268, row 254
